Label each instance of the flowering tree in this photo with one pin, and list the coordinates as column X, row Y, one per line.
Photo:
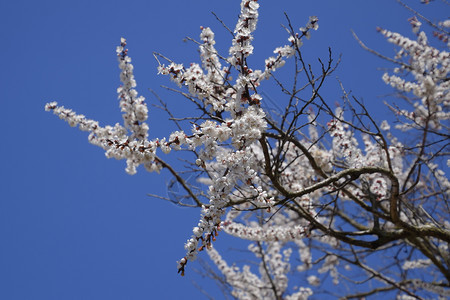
column 327, row 184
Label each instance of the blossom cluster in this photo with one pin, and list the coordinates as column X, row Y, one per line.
column 271, row 233
column 247, row 285
column 430, row 69
column 133, row 107
column 127, row 142
column 242, row 42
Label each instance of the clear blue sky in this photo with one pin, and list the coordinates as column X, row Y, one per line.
column 74, row 225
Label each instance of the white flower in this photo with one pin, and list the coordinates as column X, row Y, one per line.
column 313, row 280
column 385, row 126
column 51, row 105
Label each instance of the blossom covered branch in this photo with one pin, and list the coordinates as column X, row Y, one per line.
column 330, row 185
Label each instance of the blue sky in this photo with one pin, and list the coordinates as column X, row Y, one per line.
column 73, row 224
